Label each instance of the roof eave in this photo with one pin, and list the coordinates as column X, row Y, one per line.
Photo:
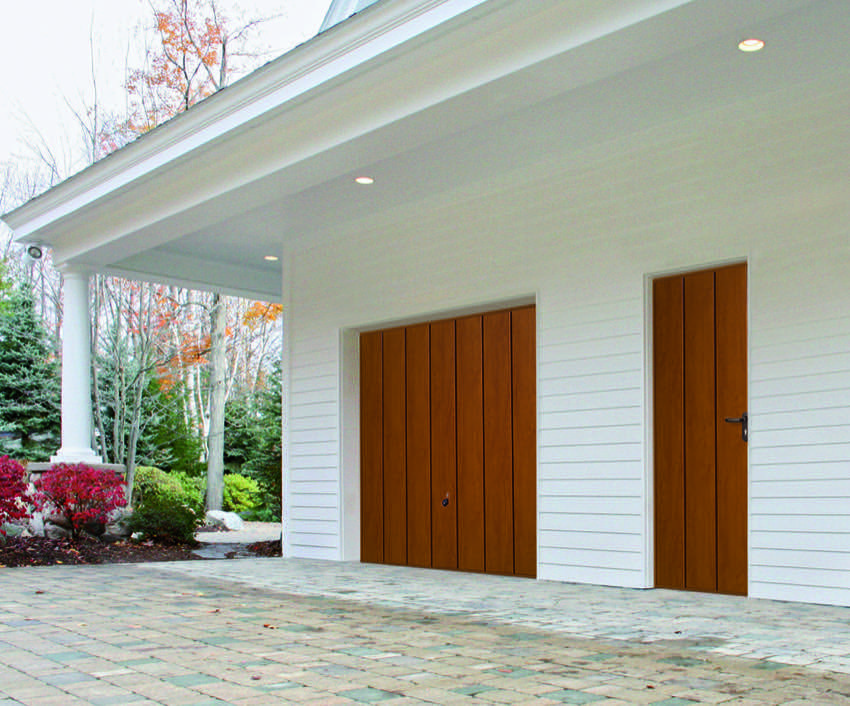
column 300, row 71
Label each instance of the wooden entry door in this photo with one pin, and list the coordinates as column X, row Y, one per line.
column 448, row 444
column 700, row 380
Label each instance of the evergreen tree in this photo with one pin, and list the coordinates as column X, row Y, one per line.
column 29, row 381
column 265, row 459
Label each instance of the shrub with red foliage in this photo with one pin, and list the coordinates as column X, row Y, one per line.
column 13, row 491
column 80, row 493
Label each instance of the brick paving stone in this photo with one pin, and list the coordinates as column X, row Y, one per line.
column 200, row 639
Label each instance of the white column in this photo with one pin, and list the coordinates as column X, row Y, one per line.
column 76, row 371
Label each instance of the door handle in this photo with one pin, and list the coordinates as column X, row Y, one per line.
column 743, row 420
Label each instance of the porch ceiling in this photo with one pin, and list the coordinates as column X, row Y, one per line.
column 489, row 103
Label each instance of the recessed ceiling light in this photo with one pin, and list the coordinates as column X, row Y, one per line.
column 365, row 180
column 751, row 44
column 271, row 258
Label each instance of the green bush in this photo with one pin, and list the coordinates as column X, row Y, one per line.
column 165, row 519
column 241, row 494
column 179, row 487
column 194, row 489
column 154, row 481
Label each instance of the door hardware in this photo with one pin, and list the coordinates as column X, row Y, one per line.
column 743, row 420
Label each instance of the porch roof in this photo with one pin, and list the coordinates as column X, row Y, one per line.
column 446, row 102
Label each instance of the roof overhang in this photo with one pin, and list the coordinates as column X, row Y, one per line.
column 446, row 101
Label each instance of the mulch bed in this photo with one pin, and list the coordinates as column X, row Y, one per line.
column 42, row 551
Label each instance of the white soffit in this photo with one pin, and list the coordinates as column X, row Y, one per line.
column 436, row 103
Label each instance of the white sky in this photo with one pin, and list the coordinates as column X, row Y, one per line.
column 45, row 54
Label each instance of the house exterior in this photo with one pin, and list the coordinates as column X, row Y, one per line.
column 595, row 232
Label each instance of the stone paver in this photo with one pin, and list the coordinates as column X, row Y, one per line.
column 271, row 631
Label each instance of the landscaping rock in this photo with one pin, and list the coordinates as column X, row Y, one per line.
column 36, row 524
column 13, row 530
column 220, row 518
column 120, row 527
column 52, row 531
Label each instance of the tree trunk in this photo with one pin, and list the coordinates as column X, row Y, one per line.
column 215, row 442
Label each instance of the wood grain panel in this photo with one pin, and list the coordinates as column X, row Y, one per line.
column 470, row 445
column 418, row 420
column 731, row 337
column 443, row 447
column 498, row 443
column 668, row 421
column 395, row 476
column 371, row 449
column 524, row 405
column 700, row 488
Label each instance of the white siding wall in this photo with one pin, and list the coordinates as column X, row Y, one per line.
column 591, row 475
column 800, row 444
column 313, row 513
column 582, row 243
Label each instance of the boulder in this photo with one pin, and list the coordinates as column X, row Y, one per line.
column 119, row 525
column 55, row 531
column 36, row 524
column 13, row 530
column 227, row 520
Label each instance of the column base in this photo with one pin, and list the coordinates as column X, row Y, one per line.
column 88, row 456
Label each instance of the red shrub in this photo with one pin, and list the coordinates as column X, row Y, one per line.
column 13, row 491
column 81, row 493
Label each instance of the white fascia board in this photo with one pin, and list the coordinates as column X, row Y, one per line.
column 353, row 43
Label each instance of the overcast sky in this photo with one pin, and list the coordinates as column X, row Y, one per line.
column 46, row 58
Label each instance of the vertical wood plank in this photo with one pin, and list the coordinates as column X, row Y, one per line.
column 371, row 449
column 443, row 447
column 498, row 444
column 524, row 406
column 668, row 426
column 470, row 445
column 395, row 476
column 700, row 480
column 731, row 336
column 418, row 449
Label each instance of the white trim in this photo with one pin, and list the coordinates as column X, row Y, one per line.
column 285, row 377
column 648, row 434
column 349, row 440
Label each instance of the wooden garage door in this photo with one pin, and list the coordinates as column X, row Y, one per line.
column 700, row 382
column 448, row 444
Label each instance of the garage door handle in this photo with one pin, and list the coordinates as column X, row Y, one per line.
column 743, row 420
column 445, row 501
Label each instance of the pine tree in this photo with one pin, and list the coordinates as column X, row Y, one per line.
column 29, row 381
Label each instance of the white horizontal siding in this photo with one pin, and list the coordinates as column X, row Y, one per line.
column 591, row 481
column 314, row 493
column 800, row 411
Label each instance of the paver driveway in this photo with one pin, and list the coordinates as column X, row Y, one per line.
column 271, row 631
